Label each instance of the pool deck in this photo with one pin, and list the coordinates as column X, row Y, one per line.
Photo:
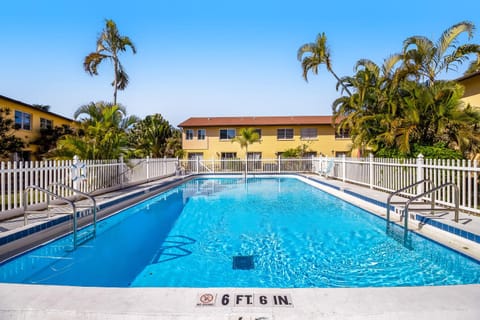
column 447, row 302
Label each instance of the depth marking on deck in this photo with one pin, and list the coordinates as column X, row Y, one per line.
column 244, row 300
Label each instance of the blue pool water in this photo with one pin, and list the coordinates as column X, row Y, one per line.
column 226, row 232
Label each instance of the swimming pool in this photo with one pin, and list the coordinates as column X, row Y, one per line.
column 231, row 232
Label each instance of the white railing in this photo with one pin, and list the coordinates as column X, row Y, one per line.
column 252, row 166
column 393, row 174
column 382, row 174
column 87, row 176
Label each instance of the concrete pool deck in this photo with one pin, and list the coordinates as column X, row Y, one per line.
column 441, row 302
column 419, row 303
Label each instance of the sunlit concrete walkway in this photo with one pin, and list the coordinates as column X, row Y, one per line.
column 77, row 303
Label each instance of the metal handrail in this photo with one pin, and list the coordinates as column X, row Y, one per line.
column 406, row 188
column 94, row 202
column 51, row 194
column 457, row 199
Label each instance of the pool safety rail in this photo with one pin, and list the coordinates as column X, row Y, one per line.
column 422, row 196
column 53, row 192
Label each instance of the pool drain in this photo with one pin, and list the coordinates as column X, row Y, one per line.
column 242, row 263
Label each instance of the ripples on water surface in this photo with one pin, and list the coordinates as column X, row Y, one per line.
column 297, row 235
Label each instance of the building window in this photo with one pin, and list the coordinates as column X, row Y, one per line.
column 259, row 131
column 343, row 133
column 46, row 124
column 189, row 134
column 23, row 120
column 284, row 134
column 310, row 154
column 228, row 155
column 195, row 155
column 201, row 133
column 254, row 160
column 308, row 133
column 254, row 156
column 227, row 134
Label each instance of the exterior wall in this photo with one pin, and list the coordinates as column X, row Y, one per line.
column 212, row 147
column 29, row 136
column 472, row 90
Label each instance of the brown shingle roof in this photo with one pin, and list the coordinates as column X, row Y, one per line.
column 256, row 121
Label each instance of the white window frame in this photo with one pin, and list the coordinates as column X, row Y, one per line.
column 23, row 116
column 229, row 134
column 46, row 123
column 201, row 134
column 284, row 136
column 189, row 134
column 228, row 155
column 308, row 133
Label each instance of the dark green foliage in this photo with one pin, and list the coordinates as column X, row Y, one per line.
column 399, row 106
column 298, row 152
column 154, row 137
column 49, row 137
column 8, row 142
column 438, row 151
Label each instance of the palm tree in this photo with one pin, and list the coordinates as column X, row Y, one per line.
column 364, row 113
column 149, row 137
column 109, row 114
column 319, row 53
column 425, row 60
column 109, row 44
column 102, row 133
column 246, row 137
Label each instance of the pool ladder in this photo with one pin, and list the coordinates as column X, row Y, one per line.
column 421, row 196
column 77, row 238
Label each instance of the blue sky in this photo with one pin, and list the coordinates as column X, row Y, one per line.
column 206, row 58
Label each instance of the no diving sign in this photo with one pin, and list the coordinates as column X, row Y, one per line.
column 244, row 300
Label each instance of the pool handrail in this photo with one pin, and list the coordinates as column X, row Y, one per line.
column 389, row 199
column 94, row 202
column 50, row 194
column 457, row 200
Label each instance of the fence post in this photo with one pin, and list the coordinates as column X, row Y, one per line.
column 197, row 158
column 246, row 165
column 344, row 169
column 279, row 163
column 74, row 173
column 370, row 160
column 420, row 165
column 148, row 167
column 122, row 172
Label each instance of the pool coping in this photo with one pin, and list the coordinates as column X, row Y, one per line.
column 403, row 303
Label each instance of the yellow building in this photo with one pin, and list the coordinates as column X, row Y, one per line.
column 211, row 138
column 28, row 122
column 471, row 83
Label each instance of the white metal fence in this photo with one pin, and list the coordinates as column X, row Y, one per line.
column 382, row 174
column 393, row 174
column 251, row 166
column 87, row 176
